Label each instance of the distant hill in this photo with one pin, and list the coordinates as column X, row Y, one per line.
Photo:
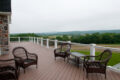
column 79, row 32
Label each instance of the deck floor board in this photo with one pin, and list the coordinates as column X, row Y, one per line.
column 51, row 69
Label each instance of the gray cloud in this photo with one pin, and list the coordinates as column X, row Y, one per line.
column 64, row 15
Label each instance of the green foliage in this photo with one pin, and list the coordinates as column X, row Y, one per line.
column 59, row 38
column 24, row 35
column 104, row 38
column 63, row 38
column 97, row 38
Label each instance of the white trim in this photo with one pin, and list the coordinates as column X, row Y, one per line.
column 113, row 69
column 5, row 13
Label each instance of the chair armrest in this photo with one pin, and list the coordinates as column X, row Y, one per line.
column 57, row 50
column 18, row 58
column 7, row 60
column 8, row 64
column 32, row 55
column 86, row 58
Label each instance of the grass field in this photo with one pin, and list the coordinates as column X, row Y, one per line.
column 86, row 50
column 114, row 60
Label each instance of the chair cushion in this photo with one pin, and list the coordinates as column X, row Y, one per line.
column 61, row 53
column 27, row 61
column 7, row 75
column 94, row 65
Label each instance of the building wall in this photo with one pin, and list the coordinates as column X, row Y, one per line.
column 4, row 37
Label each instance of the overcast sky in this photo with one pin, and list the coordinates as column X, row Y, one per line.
column 64, row 15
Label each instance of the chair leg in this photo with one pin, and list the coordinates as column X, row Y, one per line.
column 67, row 60
column 55, row 58
column 24, row 70
column 36, row 66
column 105, row 75
column 64, row 59
column 86, row 75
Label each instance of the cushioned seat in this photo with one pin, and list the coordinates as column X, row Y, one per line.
column 8, row 70
column 24, row 58
column 99, row 65
column 63, row 51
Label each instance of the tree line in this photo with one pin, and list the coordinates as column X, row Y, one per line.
column 98, row 38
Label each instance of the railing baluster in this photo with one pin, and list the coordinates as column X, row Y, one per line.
column 29, row 39
column 69, row 41
column 92, row 51
column 41, row 41
column 19, row 39
column 55, row 43
column 37, row 40
column 47, row 43
column 34, row 39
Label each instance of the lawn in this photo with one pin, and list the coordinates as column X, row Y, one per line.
column 114, row 60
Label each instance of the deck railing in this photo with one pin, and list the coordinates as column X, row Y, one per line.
column 41, row 41
column 38, row 40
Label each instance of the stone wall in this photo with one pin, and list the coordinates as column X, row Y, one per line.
column 4, row 37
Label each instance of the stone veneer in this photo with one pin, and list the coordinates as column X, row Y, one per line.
column 4, row 37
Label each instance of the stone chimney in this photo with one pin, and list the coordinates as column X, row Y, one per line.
column 5, row 19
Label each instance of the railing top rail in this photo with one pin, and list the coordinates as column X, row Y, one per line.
column 44, row 39
column 80, row 44
column 19, row 37
column 113, row 49
column 51, row 40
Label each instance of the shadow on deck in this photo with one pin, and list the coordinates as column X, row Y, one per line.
column 49, row 69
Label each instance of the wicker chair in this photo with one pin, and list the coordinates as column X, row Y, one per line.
column 8, row 70
column 98, row 65
column 63, row 51
column 24, row 58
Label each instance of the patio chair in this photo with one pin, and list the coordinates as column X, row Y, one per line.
column 98, row 65
column 24, row 58
column 63, row 51
column 8, row 70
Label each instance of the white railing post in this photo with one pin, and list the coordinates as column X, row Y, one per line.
column 41, row 41
column 69, row 41
column 92, row 51
column 34, row 39
column 29, row 39
column 47, row 41
column 19, row 39
column 37, row 40
column 55, row 43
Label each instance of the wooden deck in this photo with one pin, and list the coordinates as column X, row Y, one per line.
column 49, row 69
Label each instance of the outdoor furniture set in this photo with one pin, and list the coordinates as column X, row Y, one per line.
column 98, row 65
column 9, row 69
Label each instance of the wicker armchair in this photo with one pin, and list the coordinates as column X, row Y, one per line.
column 24, row 58
column 63, row 51
column 8, row 70
column 98, row 65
